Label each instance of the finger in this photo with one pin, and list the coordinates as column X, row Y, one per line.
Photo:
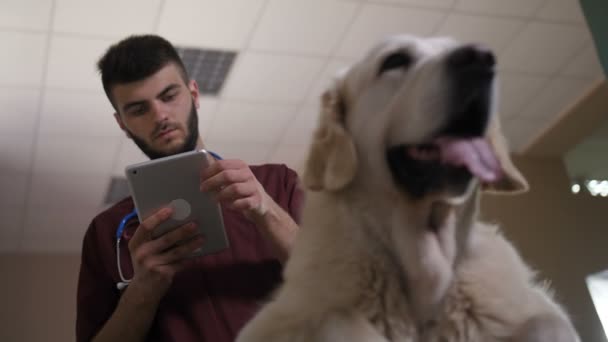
column 168, row 240
column 225, row 178
column 248, row 203
column 177, row 266
column 236, row 191
column 221, row 165
column 179, row 252
column 150, row 252
column 213, row 168
column 144, row 231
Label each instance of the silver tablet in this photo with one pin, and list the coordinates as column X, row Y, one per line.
column 174, row 181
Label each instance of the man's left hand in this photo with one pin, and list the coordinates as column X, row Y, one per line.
column 235, row 186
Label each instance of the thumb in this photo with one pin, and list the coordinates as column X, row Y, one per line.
column 144, row 231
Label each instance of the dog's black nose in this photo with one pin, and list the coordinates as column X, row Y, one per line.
column 471, row 56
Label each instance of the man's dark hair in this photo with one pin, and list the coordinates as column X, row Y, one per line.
column 136, row 58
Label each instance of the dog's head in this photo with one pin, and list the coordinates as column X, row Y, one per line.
column 421, row 110
column 411, row 130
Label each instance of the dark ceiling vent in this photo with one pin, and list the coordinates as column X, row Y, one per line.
column 208, row 67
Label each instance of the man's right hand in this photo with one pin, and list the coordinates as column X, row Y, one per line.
column 156, row 261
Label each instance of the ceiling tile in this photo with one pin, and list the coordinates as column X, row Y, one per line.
column 300, row 130
column 128, row 154
column 22, row 58
column 16, row 152
column 586, row 64
column 273, row 78
column 374, row 22
column 225, row 24
column 495, row 33
column 91, row 17
column 250, row 122
column 443, row 4
column 78, row 113
column 520, row 8
column 311, row 27
column 544, row 48
column 206, row 113
column 562, row 10
column 329, row 73
column 19, row 110
column 25, row 14
column 555, row 98
column 252, row 154
column 516, row 90
column 10, row 230
column 73, row 62
column 60, row 153
column 293, row 156
column 14, row 187
column 67, row 189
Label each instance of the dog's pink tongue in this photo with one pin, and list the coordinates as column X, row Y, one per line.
column 474, row 154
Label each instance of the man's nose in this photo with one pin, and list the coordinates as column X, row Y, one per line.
column 159, row 111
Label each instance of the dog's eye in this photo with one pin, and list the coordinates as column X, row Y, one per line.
column 395, row 60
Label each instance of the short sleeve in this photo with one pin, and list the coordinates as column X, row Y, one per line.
column 96, row 297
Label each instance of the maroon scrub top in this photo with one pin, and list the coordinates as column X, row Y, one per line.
column 210, row 301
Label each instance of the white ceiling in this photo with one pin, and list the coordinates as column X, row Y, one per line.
column 59, row 144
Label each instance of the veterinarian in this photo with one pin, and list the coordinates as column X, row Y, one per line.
column 171, row 297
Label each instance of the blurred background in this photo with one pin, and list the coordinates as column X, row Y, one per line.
column 262, row 65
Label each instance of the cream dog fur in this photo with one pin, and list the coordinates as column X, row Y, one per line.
column 390, row 247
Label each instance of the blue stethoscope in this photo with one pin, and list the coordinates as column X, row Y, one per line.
column 121, row 227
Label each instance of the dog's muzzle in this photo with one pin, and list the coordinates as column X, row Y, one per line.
column 458, row 151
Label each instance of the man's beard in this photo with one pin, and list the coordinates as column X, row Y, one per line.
column 188, row 145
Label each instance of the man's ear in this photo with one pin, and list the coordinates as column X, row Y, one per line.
column 512, row 181
column 121, row 124
column 332, row 158
column 194, row 92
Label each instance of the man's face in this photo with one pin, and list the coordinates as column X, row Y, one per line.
column 159, row 112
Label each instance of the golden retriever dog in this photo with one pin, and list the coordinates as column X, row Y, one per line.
column 391, row 248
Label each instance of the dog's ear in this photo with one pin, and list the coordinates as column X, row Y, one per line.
column 512, row 181
column 332, row 159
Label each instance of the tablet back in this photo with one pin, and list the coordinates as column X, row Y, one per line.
column 174, row 181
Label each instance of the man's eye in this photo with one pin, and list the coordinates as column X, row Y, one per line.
column 137, row 111
column 169, row 97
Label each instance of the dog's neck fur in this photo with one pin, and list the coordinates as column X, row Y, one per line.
column 426, row 259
